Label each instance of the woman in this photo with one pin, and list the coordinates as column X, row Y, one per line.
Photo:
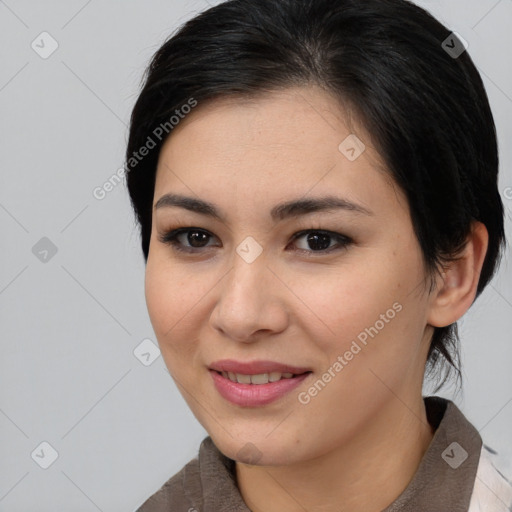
column 316, row 185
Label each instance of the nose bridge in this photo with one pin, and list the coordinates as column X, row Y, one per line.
column 244, row 285
column 247, row 302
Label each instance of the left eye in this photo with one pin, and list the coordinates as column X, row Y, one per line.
column 318, row 240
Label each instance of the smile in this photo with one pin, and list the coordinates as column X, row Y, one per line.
column 255, row 390
column 260, row 378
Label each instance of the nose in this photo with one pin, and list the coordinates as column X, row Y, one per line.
column 251, row 302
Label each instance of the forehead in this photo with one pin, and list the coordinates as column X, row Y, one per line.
column 293, row 117
column 285, row 144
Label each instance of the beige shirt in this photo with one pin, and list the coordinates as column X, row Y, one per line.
column 456, row 474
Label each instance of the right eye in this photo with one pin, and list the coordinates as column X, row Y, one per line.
column 176, row 238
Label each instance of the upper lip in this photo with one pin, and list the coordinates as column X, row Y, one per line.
column 255, row 367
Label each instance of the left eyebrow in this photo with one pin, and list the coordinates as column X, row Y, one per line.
column 305, row 206
column 280, row 212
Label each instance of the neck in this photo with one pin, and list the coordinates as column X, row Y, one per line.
column 367, row 473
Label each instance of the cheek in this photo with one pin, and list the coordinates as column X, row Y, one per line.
column 341, row 304
column 169, row 300
column 366, row 312
column 176, row 300
column 160, row 299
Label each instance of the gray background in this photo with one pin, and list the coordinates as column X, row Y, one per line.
column 70, row 321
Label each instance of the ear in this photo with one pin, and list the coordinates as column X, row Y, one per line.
column 456, row 287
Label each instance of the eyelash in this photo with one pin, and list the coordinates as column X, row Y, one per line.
column 170, row 238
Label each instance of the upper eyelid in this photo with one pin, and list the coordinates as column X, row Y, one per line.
column 300, row 232
column 174, row 233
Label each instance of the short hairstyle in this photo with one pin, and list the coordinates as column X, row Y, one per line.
column 424, row 108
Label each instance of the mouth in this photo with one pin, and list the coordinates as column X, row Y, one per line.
column 259, row 378
column 257, row 368
column 256, row 383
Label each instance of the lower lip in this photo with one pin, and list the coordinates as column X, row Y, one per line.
column 250, row 395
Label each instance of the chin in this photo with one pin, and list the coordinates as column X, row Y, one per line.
column 254, row 450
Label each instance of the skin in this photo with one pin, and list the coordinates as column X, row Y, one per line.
column 357, row 443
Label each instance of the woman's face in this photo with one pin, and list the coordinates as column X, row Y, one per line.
column 352, row 310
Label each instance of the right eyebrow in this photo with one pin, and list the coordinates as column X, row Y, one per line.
column 279, row 212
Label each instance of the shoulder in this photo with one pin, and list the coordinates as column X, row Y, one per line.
column 205, row 484
column 492, row 491
column 174, row 493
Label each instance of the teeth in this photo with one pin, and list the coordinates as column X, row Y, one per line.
column 274, row 376
column 243, row 379
column 260, row 378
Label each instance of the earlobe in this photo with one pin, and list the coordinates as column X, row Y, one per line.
column 456, row 286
